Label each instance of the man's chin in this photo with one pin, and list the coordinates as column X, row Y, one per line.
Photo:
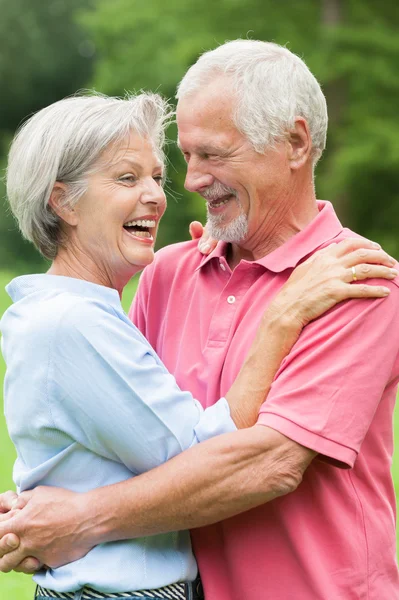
column 233, row 232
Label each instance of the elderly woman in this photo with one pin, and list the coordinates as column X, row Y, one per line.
column 88, row 402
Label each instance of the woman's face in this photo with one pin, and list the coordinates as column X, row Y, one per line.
column 117, row 218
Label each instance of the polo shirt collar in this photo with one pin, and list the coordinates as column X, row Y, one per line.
column 323, row 228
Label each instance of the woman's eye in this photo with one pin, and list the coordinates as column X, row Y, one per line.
column 159, row 179
column 128, row 178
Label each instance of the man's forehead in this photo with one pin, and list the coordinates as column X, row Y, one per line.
column 205, row 146
column 208, row 129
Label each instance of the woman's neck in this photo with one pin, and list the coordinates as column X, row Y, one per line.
column 80, row 266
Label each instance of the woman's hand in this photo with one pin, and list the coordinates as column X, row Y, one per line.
column 10, row 503
column 330, row 276
column 198, row 232
column 314, row 287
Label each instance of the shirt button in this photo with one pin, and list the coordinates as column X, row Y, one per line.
column 222, row 266
column 231, row 299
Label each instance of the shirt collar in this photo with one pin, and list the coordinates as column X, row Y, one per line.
column 323, row 228
column 23, row 286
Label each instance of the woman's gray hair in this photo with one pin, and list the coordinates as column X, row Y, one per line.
column 272, row 86
column 63, row 142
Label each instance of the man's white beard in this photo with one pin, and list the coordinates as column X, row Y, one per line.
column 234, row 232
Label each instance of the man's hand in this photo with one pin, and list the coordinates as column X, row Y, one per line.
column 51, row 526
column 206, row 244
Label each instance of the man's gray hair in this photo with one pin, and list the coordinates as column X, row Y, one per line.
column 63, row 142
column 272, row 86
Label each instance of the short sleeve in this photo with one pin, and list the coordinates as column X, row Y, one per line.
column 110, row 392
column 329, row 387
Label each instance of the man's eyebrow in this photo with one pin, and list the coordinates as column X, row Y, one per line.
column 206, row 149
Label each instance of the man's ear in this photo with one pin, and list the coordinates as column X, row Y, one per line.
column 299, row 144
column 60, row 207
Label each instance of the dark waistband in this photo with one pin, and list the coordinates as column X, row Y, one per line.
column 191, row 590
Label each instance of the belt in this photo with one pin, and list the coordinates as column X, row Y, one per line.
column 191, row 590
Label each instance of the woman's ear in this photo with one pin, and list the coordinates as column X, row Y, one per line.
column 60, row 206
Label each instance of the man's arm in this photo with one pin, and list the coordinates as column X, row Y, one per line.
column 189, row 491
column 212, row 481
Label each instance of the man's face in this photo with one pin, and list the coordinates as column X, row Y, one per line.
column 242, row 188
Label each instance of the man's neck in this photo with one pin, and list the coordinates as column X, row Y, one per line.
column 272, row 237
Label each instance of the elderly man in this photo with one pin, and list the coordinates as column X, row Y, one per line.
column 252, row 124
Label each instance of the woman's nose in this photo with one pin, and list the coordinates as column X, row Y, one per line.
column 153, row 193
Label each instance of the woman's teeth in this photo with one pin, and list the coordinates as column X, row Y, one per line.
column 143, row 234
column 140, row 224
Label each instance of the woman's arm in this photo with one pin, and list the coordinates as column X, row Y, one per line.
column 314, row 287
column 214, row 480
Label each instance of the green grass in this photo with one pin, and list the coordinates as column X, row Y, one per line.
column 20, row 587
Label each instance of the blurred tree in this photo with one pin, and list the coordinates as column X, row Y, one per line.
column 44, row 56
column 350, row 45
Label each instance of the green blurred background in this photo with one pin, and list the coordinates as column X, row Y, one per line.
column 52, row 48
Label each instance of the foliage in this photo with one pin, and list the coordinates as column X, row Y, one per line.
column 44, row 55
column 351, row 46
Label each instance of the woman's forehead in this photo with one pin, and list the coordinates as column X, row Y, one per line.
column 134, row 149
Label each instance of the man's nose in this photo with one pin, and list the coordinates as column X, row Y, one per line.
column 197, row 179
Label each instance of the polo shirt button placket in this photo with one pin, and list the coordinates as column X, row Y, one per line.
column 231, row 299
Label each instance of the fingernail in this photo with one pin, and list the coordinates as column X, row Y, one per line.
column 386, row 291
column 375, row 245
column 205, row 248
column 392, row 260
column 394, row 273
column 14, row 503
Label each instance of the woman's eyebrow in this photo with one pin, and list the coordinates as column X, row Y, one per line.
column 130, row 163
column 126, row 162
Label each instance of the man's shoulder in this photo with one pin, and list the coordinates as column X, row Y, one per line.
column 348, row 233
column 181, row 251
column 175, row 258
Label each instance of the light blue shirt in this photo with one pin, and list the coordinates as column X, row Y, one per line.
column 88, row 403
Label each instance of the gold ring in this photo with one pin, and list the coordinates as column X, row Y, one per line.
column 354, row 274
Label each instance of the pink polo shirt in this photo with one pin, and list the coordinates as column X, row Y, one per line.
column 334, row 537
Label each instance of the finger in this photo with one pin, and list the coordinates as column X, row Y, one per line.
column 20, row 502
column 351, row 244
column 206, row 244
column 196, row 230
column 29, row 566
column 7, row 517
column 6, row 501
column 362, row 255
column 363, row 290
column 11, row 561
column 360, row 272
column 8, row 543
